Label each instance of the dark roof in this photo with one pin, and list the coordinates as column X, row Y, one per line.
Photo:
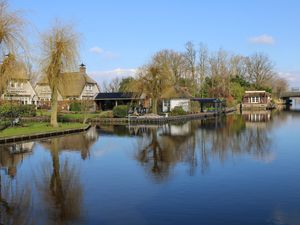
column 207, row 100
column 116, row 95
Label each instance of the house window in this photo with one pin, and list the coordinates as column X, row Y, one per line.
column 89, row 87
column 255, row 99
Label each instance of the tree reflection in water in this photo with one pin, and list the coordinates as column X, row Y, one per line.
column 61, row 188
column 15, row 196
column 162, row 147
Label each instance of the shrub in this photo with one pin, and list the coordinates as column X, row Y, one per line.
column 75, row 106
column 106, row 114
column 178, row 111
column 120, row 111
column 13, row 110
column 195, row 107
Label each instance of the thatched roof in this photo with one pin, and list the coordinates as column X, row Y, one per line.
column 71, row 83
column 19, row 73
column 176, row 92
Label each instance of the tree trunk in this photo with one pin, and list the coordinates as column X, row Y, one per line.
column 154, row 106
column 54, row 106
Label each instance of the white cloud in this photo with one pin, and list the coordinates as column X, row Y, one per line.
column 96, row 50
column 107, row 76
column 293, row 78
column 262, row 40
column 103, row 53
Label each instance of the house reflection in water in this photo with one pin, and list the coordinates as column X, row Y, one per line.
column 81, row 142
column 256, row 118
column 12, row 155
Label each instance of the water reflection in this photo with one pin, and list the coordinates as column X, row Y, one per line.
column 15, row 196
column 196, row 143
column 60, row 187
column 65, row 191
column 81, row 142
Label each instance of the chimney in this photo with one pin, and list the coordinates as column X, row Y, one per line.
column 82, row 68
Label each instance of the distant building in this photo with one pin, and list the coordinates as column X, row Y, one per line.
column 176, row 97
column 107, row 101
column 19, row 88
column 72, row 86
column 256, row 99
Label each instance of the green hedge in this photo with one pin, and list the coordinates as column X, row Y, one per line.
column 13, row 110
column 120, row 111
column 178, row 111
column 106, row 114
column 75, row 107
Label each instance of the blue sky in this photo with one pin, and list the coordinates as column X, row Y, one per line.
column 119, row 36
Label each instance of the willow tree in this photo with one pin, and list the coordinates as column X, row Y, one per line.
column 12, row 40
column 60, row 53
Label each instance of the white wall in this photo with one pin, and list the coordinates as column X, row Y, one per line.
column 184, row 103
column 89, row 91
column 21, row 91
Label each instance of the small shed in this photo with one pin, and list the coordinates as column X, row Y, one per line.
column 176, row 97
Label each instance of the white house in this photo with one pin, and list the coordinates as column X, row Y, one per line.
column 19, row 87
column 176, row 97
column 72, row 86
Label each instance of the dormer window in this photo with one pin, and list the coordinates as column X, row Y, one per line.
column 89, row 87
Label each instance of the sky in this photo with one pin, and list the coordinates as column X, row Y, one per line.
column 119, row 36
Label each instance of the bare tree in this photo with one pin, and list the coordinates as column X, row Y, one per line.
column 203, row 67
column 190, row 57
column 279, row 85
column 260, row 70
column 173, row 61
column 112, row 86
column 60, row 53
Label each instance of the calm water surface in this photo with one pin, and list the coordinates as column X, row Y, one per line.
column 240, row 169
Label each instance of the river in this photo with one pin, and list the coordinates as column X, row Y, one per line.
column 238, row 169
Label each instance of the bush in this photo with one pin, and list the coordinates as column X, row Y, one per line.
column 106, row 114
column 178, row 111
column 120, row 111
column 13, row 110
column 195, row 107
column 75, row 107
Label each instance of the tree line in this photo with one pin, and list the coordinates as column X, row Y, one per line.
column 219, row 74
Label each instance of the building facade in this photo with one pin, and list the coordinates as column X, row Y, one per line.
column 73, row 86
column 256, row 99
column 176, row 97
column 19, row 88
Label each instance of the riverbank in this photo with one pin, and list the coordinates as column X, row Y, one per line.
column 134, row 119
column 160, row 119
column 39, row 130
column 38, row 127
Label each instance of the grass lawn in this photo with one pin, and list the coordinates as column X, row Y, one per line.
column 34, row 128
column 65, row 116
column 77, row 115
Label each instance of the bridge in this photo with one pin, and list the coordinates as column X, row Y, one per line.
column 290, row 94
column 293, row 93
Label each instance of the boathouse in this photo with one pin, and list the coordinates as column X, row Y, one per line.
column 107, row 101
column 256, row 99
